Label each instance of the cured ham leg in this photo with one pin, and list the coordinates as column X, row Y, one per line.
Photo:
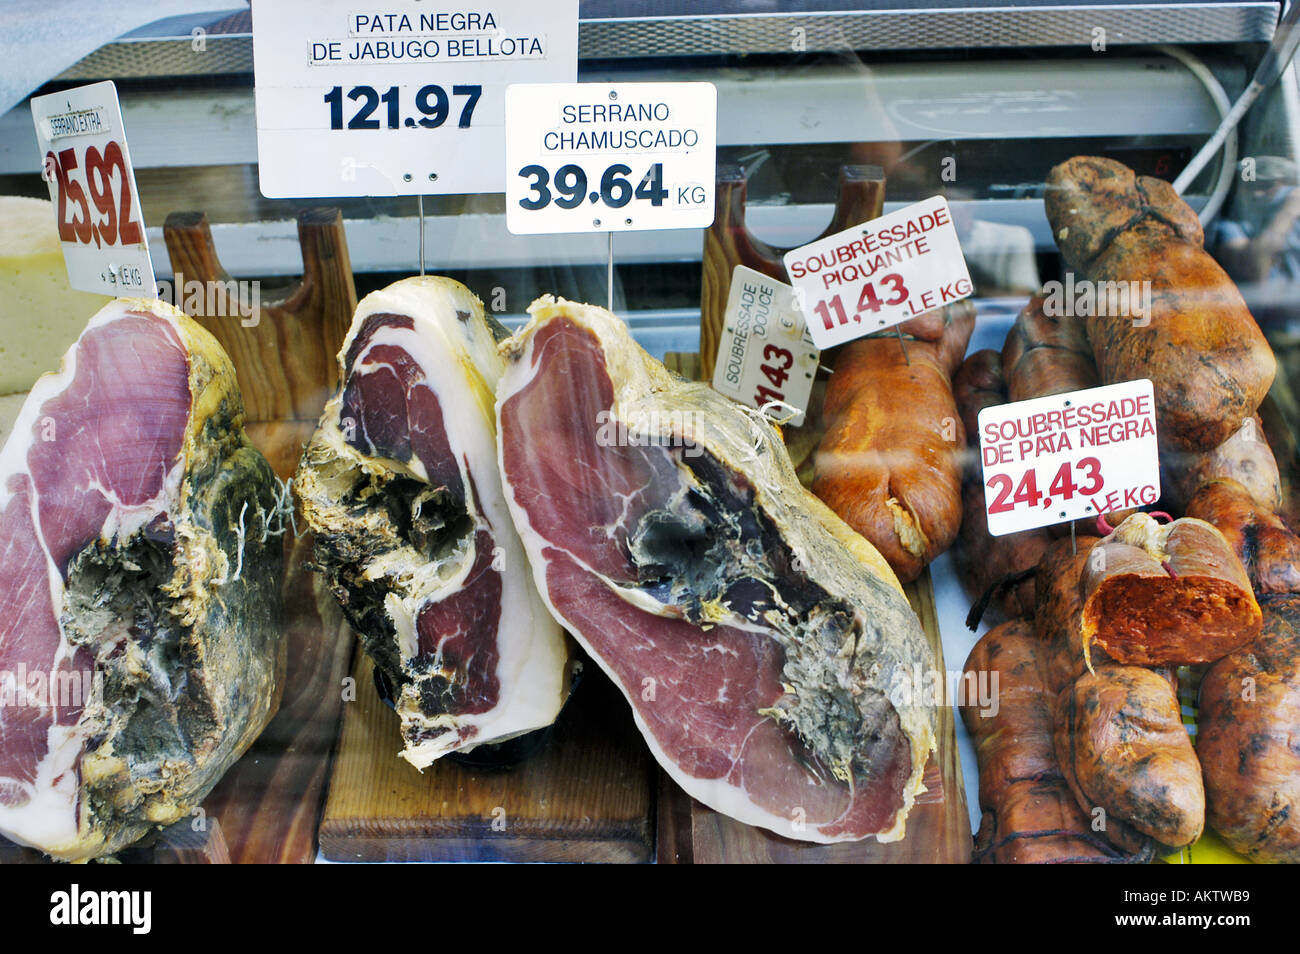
column 140, row 614
column 761, row 643
column 400, row 485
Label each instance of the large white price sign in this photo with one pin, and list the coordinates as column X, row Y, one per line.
column 610, row 157
column 88, row 168
column 1068, row 456
column 872, row 276
column 403, row 98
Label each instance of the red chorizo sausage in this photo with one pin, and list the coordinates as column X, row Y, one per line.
column 1158, row 595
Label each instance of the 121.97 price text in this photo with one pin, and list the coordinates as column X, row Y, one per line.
column 431, row 102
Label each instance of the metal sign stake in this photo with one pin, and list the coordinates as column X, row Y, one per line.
column 419, row 208
column 903, row 344
column 609, row 272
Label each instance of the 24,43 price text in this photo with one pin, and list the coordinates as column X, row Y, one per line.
column 1062, row 487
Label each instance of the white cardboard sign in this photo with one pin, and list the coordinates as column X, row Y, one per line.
column 87, row 164
column 1059, row 458
column 401, row 99
column 764, row 352
column 610, row 157
column 872, row 276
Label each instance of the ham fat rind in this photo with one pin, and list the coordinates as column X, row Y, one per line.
column 142, row 587
column 400, row 486
column 760, row 642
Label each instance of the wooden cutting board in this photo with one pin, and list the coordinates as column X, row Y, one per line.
column 587, row 795
column 938, row 829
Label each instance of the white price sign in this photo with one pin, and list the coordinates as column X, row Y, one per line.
column 875, row 275
column 1068, row 456
column 765, row 354
column 88, row 168
column 401, row 99
column 610, row 157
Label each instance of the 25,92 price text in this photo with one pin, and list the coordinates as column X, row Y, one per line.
column 86, row 163
column 109, row 184
column 431, row 102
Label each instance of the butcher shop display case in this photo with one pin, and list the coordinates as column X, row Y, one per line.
column 905, row 469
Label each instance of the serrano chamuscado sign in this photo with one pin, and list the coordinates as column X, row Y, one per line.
column 610, row 157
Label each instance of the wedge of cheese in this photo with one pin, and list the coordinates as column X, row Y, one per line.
column 40, row 316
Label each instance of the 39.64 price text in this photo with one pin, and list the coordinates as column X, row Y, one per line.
column 568, row 187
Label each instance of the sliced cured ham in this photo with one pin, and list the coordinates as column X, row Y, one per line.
column 400, row 485
column 140, row 614
column 761, row 643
